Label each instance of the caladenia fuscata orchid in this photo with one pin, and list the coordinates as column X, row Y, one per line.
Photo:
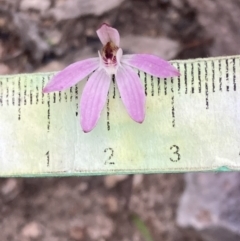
column 111, row 61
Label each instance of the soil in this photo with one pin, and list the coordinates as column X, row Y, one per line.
column 137, row 208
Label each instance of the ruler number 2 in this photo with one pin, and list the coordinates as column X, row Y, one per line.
column 175, row 150
column 110, row 152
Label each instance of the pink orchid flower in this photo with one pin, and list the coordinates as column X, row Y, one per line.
column 111, row 61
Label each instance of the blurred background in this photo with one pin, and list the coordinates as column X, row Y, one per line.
column 47, row 35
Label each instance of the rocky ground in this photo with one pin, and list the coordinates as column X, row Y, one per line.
column 46, row 35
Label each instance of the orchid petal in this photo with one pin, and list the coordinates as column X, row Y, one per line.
column 151, row 64
column 132, row 92
column 71, row 75
column 93, row 98
column 119, row 56
column 107, row 34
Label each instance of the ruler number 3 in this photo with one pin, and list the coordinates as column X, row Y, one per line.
column 175, row 149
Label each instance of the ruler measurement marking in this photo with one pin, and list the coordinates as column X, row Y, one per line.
column 54, row 98
column 59, row 96
column 152, row 85
column 13, row 92
column 76, row 98
column 199, row 79
column 66, row 96
column 206, row 85
column 48, row 112
column 227, row 75
column 7, row 93
column 145, row 83
column 49, row 102
column 19, row 99
column 165, row 86
column 114, row 85
column 25, row 91
column 71, row 94
column 213, row 76
column 37, row 93
column 108, row 115
column 159, row 85
column 192, row 73
column 234, row 75
column 173, row 103
column 179, row 79
column 43, row 83
column 172, row 85
column 185, row 78
column 31, row 91
column 50, row 76
column 220, row 74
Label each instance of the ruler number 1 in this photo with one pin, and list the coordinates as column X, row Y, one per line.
column 175, row 150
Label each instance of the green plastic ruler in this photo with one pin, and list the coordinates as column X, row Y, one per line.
column 192, row 124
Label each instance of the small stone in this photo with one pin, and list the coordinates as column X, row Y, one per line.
column 31, row 38
column 76, row 233
column 163, row 47
column 39, row 5
column 52, row 66
column 210, row 205
column 54, row 37
column 112, row 204
column 209, row 12
column 4, row 69
column 1, row 50
column 90, row 32
column 112, row 181
column 32, row 230
column 77, row 8
column 82, row 187
column 137, row 181
column 2, row 22
column 11, row 188
column 102, row 228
